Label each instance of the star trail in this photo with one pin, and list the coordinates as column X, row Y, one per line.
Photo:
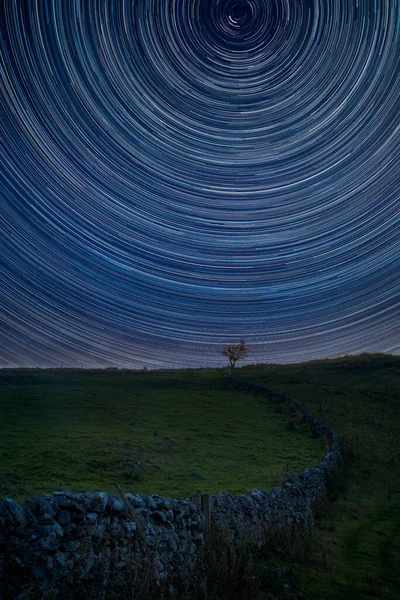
column 176, row 175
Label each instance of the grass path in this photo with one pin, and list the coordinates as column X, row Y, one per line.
column 362, row 532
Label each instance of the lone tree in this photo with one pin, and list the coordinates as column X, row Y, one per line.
column 235, row 352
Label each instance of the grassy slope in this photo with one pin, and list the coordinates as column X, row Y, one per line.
column 205, row 431
column 362, row 533
column 178, row 432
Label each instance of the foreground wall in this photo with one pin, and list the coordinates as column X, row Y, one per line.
column 61, row 538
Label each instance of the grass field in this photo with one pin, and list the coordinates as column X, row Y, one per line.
column 177, row 432
column 165, row 433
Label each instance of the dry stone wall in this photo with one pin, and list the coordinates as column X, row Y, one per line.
column 57, row 539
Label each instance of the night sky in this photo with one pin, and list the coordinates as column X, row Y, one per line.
column 178, row 174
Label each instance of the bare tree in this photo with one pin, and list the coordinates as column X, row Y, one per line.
column 235, row 352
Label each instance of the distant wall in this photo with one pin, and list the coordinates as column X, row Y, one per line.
column 57, row 537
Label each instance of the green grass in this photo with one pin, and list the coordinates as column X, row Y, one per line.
column 188, row 432
column 361, row 533
column 167, row 433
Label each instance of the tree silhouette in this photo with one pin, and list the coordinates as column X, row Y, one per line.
column 235, row 352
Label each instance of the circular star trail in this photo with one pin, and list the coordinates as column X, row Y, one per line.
column 178, row 174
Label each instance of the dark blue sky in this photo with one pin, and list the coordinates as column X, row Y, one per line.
column 179, row 174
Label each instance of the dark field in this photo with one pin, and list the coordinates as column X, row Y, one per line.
column 165, row 433
column 177, row 432
column 360, row 533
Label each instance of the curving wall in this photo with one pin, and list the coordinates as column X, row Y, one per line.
column 58, row 538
